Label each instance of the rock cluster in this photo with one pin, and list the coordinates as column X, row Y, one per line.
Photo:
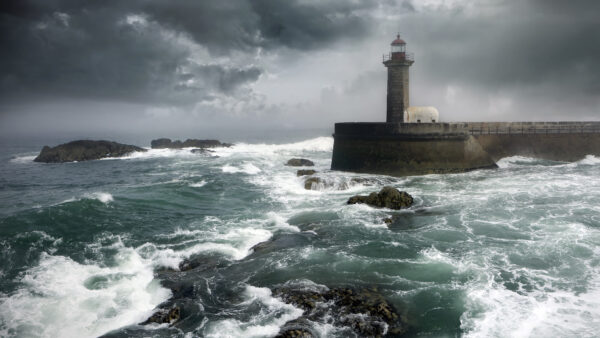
column 168, row 316
column 300, row 162
column 84, row 150
column 388, row 197
column 162, row 143
column 305, row 172
column 365, row 311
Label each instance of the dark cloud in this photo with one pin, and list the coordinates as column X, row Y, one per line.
column 301, row 61
column 146, row 50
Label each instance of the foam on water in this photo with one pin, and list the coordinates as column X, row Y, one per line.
column 247, row 168
column 198, row 184
column 63, row 298
column 319, row 144
column 23, row 159
column 273, row 315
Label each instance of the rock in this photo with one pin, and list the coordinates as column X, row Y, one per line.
column 162, row 143
column 312, row 183
column 202, row 151
column 388, row 220
column 84, row 150
column 300, row 162
column 305, row 172
column 164, row 316
column 293, row 333
column 388, row 197
column 365, row 311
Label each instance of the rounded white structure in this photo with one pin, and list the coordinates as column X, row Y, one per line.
column 421, row 115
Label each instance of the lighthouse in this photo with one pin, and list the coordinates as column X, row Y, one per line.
column 397, row 62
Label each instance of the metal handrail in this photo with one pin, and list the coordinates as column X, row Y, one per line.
column 535, row 130
column 407, row 57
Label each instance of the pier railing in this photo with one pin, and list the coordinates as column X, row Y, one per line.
column 520, row 129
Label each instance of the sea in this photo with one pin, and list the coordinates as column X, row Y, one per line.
column 86, row 247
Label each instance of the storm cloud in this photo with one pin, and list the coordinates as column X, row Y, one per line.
column 300, row 63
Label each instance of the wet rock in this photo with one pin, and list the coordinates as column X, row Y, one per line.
column 202, row 151
column 293, row 333
column 84, row 150
column 162, row 143
column 388, row 197
column 365, row 311
column 313, row 183
column 300, row 162
column 388, row 220
column 282, row 242
column 305, row 172
column 164, row 316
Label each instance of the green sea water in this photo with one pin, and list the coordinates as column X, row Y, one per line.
column 85, row 248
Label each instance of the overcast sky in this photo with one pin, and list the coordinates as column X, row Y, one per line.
column 174, row 67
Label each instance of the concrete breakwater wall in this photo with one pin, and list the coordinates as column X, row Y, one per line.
column 401, row 149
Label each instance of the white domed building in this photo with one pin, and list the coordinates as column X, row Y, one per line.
column 421, row 115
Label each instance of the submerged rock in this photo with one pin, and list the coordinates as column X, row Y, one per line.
column 313, row 183
column 164, row 316
column 300, row 162
column 365, row 311
column 388, row 197
column 305, row 172
column 162, row 143
column 202, row 151
column 84, row 150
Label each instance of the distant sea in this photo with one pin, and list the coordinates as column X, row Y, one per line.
column 509, row 252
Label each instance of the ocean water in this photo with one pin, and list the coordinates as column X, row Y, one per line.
column 86, row 248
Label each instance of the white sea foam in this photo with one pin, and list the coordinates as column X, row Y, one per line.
column 319, row 144
column 103, row 197
column 62, row 298
column 274, row 314
column 234, row 243
column 23, row 159
column 198, row 184
column 590, row 160
column 247, row 168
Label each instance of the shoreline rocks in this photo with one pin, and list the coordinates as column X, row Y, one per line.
column 387, row 197
column 84, row 150
column 300, row 162
column 365, row 311
column 305, row 172
column 167, row 143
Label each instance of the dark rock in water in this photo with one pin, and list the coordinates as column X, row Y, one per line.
column 300, row 162
column 282, row 242
column 84, row 150
column 313, row 182
column 295, row 333
column 164, row 316
column 365, row 311
column 388, row 197
column 305, row 172
column 388, row 220
column 162, row 143
column 203, row 151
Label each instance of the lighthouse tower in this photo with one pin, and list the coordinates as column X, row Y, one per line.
column 397, row 63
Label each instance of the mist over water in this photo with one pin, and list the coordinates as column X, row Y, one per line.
column 510, row 252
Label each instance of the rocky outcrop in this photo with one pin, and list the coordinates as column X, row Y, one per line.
column 164, row 316
column 313, row 183
column 305, row 172
column 388, row 197
column 163, row 143
column 300, row 162
column 84, row 150
column 365, row 311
